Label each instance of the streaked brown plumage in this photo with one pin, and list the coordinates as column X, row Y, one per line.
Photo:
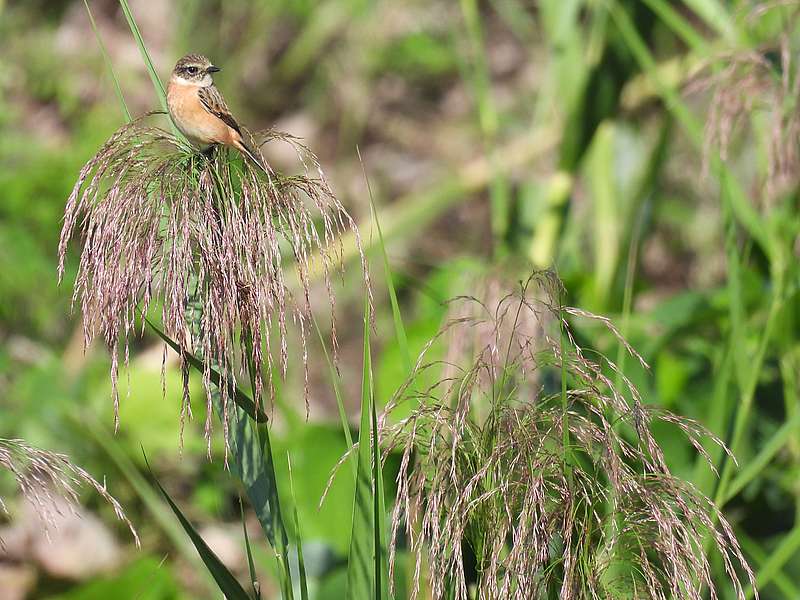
column 199, row 110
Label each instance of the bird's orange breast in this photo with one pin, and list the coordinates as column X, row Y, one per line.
column 192, row 118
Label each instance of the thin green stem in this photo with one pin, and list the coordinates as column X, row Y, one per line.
column 489, row 119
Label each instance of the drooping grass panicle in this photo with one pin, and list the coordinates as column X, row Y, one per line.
column 43, row 477
column 484, row 470
column 163, row 223
column 766, row 81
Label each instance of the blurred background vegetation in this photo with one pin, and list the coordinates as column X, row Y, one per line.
column 498, row 136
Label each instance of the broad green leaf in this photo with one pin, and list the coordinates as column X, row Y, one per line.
column 147, row 578
column 255, row 467
column 155, row 506
column 315, row 449
column 253, row 462
column 607, row 217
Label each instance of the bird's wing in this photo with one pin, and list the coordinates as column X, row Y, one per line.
column 214, row 103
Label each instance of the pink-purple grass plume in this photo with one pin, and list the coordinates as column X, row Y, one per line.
column 753, row 88
column 554, row 496
column 165, row 227
column 42, row 476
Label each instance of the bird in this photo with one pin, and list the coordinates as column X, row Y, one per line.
column 199, row 111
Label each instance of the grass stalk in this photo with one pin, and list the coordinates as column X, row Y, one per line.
column 367, row 563
column 489, row 119
column 109, row 66
column 151, row 70
column 399, row 327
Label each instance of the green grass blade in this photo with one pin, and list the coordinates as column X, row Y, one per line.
column 381, row 571
column 153, row 503
column 747, row 395
column 359, row 574
column 721, row 403
column 365, row 572
column 151, row 70
column 759, row 558
column 255, row 467
column 478, row 75
column 301, row 563
column 242, row 399
column 159, row 87
column 734, row 200
column 399, row 327
column 606, row 212
column 564, row 350
column 109, row 66
column 225, row 580
column 338, row 393
column 716, row 17
column 251, row 567
column 673, row 19
column 785, row 551
column 764, row 456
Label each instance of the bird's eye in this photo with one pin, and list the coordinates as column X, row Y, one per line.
column 193, row 70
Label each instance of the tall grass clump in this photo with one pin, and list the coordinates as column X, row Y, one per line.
column 43, row 477
column 203, row 234
column 528, row 473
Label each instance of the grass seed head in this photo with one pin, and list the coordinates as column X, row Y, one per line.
column 43, row 476
column 207, row 239
column 744, row 84
column 551, row 498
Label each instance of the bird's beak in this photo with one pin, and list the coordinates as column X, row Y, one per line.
column 213, row 69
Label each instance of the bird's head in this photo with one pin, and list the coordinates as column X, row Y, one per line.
column 195, row 69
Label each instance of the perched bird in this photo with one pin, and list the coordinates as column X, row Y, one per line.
column 199, row 110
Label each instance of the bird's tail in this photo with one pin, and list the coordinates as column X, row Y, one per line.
column 253, row 155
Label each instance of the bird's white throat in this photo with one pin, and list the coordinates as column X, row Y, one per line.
column 204, row 82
